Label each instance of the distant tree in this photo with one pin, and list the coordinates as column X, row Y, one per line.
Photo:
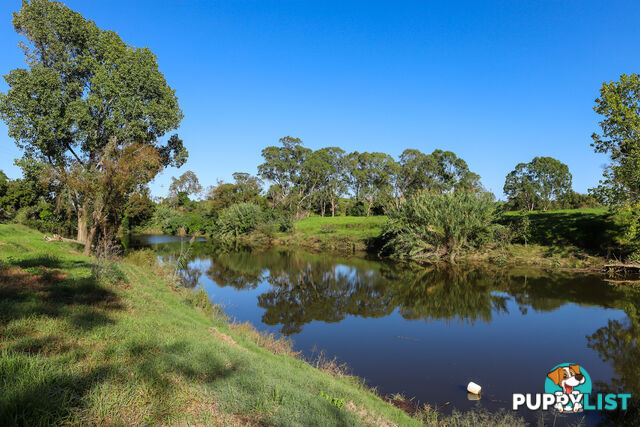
column 619, row 104
column 245, row 189
column 439, row 171
column 369, row 176
column 187, row 185
column 537, row 184
column 575, row 200
column 88, row 100
column 328, row 164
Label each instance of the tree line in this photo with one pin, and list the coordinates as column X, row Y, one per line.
column 93, row 115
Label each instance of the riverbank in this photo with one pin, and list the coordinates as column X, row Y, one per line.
column 88, row 342
column 574, row 239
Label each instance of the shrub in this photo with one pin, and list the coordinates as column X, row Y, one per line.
column 628, row 219
column 239, row 219
column 279, row 220
column 107, row 272
column 142, row 258
column 433, row 225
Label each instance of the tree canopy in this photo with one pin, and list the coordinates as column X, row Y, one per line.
column 537, row 183
column 88, row 99
column 619, row 104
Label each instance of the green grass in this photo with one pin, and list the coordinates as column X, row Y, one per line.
column 343, row 233
column 592, row 230
column 76, row 350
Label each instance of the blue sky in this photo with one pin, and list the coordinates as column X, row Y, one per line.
column 497, row 83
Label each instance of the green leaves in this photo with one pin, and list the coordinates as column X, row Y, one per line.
column 434, row 225
column 619, row 104
column 537, row 183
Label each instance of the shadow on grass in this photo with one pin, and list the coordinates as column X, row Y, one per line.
column 593, row 232
column 51, row 372
column 50, row 292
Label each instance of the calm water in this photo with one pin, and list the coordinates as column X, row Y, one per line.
column 427, row 333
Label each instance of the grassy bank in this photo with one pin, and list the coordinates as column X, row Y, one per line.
column 580, row 238
column 341, row 233
column 115, row 343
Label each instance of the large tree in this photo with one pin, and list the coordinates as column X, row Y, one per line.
column 538, row 183
column 87, row 101
column 619, row 104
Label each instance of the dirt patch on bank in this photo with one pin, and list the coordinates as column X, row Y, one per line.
column 225, row 338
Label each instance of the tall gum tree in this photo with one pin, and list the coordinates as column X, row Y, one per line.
column 85, row 101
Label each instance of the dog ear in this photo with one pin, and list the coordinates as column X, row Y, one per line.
column 555, row 376
column 575, row 368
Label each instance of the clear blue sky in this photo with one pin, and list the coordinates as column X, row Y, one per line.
column 496, row 82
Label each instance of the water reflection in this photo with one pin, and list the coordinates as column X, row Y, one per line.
column 305, row 287
column 357, row 309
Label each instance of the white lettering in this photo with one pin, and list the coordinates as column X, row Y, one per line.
column 518, row 400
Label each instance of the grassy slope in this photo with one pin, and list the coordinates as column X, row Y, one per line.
column 76, row 351
column 341, row 232
column 590, row 229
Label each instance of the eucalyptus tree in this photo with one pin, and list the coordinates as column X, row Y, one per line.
column 187, row 184
column 283, row 167
column 369, row 176
column 619, row 104
column 331, row 165
column 537, row 183
column 91, row 107
column 440, row 171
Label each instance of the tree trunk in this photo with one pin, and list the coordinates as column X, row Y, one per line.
column 90, row 239
column 322, row 208
column 370, row 202
column 82, row 225
column 333, row 207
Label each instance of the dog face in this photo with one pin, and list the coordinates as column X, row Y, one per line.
column 567, row 377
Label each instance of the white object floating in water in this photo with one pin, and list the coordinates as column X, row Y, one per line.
column 474, row 388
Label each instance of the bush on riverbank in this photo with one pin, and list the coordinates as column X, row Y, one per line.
column 434, row 226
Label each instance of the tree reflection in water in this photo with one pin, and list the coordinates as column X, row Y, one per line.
column 304, row 287
column 617, row 344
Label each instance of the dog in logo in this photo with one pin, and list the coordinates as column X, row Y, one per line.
column 567, row 378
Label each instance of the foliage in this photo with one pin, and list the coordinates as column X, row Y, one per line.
column 440, row 171
column 142, row 258
column 574, row 200
column 105, row 106
column 338, row 403
column 434, row 225
column 186, row 185
column 139, row 209
column 619, row 104
column 369, row 176
column 537, row 183
column 627, row 217
column 239, row 219
column 594, row 231
column 284, row 166
column 107, row 272
column 245, row 189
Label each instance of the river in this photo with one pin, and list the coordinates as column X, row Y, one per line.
column 427, row 332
